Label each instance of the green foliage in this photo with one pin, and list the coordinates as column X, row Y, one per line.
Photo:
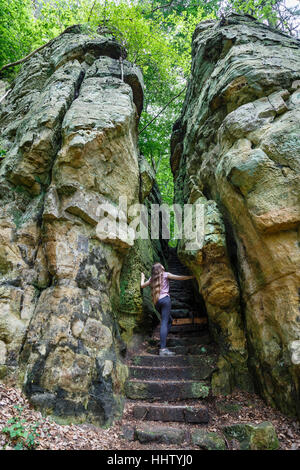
column 17, row 29
column 21, row 435
column 53, row 16
column 261, row 9
column 123, row 291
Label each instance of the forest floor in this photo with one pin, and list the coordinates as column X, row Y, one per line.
column 52, row 436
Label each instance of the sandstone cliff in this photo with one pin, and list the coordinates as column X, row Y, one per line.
column 69, row 129
column 235, row 150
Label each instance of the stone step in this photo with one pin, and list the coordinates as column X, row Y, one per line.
column 188, row 309
column 161, row 434
column 173, row 361
column 180, row 313
column 176, row 262
column 184, row 350
column 178, row 286
column 180, row 305
column 200, row 372
column 176, row 289
column 186, row 329
column 186, row 303
column 180, row 296
column 181, row 286
column 184, row 285
column 190, row 321
column 192, row 333
column 165, row 391
column 173, row 342
column 189, row 328
column 177, row 268
column 169, row 413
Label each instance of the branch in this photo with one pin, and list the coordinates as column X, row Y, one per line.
column 158, row 163
column 169, row 102
column 162, row 6
column 91, row 10
column 33, row 52
column 24, row 58
column 153, row 164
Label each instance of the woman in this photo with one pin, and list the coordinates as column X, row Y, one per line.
column 159, row 282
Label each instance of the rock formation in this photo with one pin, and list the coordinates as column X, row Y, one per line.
column 70, row 296
column 235, row 150
column 69, row 130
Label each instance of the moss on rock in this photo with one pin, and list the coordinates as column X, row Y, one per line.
column 253, row 436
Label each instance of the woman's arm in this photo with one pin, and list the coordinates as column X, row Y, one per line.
column 179, row 278
column 143, row 283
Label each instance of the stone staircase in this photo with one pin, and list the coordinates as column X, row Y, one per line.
column 184, row 304
column 166, row 396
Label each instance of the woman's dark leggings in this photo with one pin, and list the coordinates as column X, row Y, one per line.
column 164, row 307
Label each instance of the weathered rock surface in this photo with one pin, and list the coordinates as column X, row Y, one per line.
column 208, row 440
column 162, row 391
column 161, row 435
column 187, row 414
column 253, row 436
column 69, row 129
column 235, row 150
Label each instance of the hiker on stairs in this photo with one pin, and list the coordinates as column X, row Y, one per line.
column 159, row 283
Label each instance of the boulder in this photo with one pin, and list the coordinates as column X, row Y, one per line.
column 208, row 440
column 253, row 436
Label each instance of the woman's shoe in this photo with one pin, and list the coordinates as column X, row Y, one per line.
column 166, row 352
